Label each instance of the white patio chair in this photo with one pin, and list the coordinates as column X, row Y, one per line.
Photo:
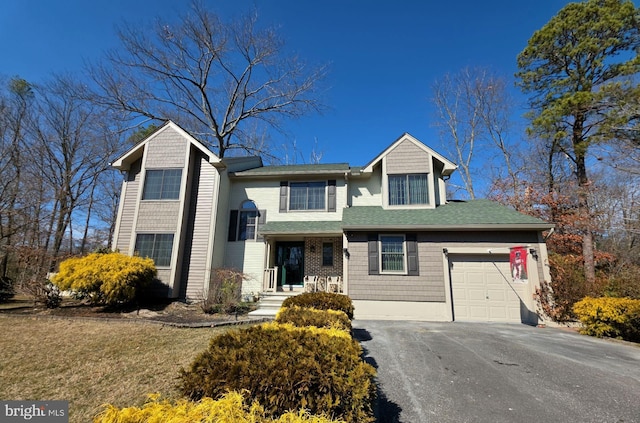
column 334, row 284
column 310, row 283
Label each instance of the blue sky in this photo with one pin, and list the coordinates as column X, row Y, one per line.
column 384, row 56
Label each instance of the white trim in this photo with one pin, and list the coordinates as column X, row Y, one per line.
column 405, row 269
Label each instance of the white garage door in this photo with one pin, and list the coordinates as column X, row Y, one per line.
column 483, row 290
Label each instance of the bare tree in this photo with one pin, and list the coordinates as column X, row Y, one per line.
column 473, row 113
column 212, row 77
column 71, row 136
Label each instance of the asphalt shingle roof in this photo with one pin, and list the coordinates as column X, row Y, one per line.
column 305, row 227
column 465, row 214
column 308, row 169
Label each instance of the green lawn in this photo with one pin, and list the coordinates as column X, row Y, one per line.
column 90, row 363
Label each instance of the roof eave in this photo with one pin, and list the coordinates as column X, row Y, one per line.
column 468, row 227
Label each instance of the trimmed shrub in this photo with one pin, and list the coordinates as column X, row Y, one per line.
column 299, row 316
column 612, row 317
column 286, row 368
column 229, row 408
column 112, row 278
column 321, row 301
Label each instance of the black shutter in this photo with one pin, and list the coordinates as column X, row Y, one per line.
column 374, row 268
column 233, row 225
column 412, row 255
column 331, row 195
column 262, row 219
column 284, row 187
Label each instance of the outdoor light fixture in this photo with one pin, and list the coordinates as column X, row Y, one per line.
column 445, row 251
column 534, row 253
column 345, row 251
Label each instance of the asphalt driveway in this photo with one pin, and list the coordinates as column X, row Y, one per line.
column 483, row 372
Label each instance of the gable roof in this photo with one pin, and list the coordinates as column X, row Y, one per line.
column 449, row 166
column 135, row 152
column 463, row 215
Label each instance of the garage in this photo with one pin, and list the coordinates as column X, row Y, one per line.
column 482, row 289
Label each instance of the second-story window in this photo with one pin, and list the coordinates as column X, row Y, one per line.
column 162, row 184
column 408, row 189
column 307, row 195
column 247, row 221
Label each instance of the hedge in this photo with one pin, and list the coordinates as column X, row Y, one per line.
column 229, row 408
column 284, row 368
column 609, row 316
column 299, row 316
column 321, row 301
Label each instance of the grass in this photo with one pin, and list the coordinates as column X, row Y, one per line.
column 90, row 363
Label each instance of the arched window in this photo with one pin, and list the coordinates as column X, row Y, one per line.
column 248, row 220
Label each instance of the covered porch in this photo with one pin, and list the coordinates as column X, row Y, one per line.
column 303, row 256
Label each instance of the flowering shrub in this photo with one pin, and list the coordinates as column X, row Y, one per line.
column 229, row 408
column 105, row 278
column 613, row 317
column 284, row 368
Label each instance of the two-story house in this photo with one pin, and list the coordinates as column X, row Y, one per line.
column 401, row 250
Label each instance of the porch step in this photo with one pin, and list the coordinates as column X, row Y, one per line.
column 270, row 303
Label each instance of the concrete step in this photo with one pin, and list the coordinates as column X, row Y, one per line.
column 270, row 302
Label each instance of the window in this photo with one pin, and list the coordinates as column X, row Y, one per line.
column 156, row 246
column 245, row 222
column 392, row 253
column 408, row 189
column 162, row 184
column 327, row 254
column 307, row 195
column 248, row 220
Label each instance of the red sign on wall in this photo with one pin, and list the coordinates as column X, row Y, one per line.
column 518, row 262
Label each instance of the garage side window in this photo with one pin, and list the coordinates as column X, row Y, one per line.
column 155, row 246
column 162, row 184
column 393, row 254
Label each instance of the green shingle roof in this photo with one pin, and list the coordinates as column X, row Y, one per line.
column 454, row 215
column 304, row 227
column 308, row 169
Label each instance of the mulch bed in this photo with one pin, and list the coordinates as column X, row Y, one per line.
column 174, row 313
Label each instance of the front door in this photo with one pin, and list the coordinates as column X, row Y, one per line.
column 290, row 262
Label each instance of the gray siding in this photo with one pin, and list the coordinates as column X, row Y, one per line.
column 168, row 149
column 129, row 199
column 158, row 216
column 427, row 286
column 430, row 284
column 200, row 227
column 408, row 158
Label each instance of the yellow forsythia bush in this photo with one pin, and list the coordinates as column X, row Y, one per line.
column 609, row 316
column 105, row 278
column 230, row 408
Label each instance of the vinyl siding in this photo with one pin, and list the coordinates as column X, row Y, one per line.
column 407, row 157
column 266, row 195
column 248, row 256
column 431, row 284
column 167, row 150
column 129, row 199
column 367, row 191
column 428, row 286
column 158, row 216
column 202, row 199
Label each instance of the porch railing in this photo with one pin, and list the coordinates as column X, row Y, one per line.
column 269, row 279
